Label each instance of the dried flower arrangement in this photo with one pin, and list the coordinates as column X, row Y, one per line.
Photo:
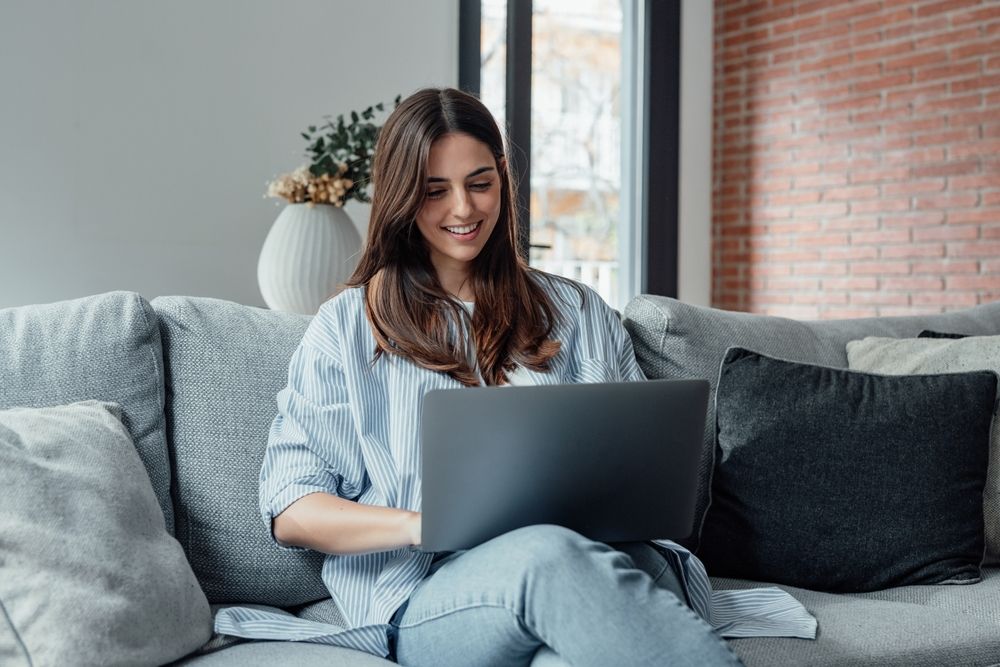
column 340, row 162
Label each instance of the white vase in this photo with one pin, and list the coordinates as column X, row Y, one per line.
column 309, row 251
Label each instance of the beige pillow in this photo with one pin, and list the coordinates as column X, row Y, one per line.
column 88, row 573
column 906, row 356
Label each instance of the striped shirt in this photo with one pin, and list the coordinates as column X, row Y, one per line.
column 350, row 428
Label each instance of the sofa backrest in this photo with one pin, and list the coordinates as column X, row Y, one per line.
column 104, row 347
column 225, row 364
column 673, row 339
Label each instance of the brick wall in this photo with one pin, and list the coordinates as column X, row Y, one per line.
column 856, row 156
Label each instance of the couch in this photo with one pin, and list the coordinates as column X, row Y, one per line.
column 196, row 380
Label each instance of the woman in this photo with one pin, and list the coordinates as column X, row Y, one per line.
column 440, row 299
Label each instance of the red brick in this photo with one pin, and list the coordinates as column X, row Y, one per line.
column 878, row 268
column 826, row 298
column 798, row 25
column 882, row 83
column 949, row 104
column 880, row 206
column 879, row 175
column 912, row 251
column 770, row 16
column 769, row 270
column 850, row 253
column 991, row 266
column 821, row 240
column 852, row 223
column 744, row 37
column 849, row 313
column 778, row 283
column 793, row 198
column 946, row 233
column 879, row 52
column 975, row 49
column 880, row 237
column 851, row 193
column 945, row 72
column 946, row 201
column 880, row 298
column 922, row 156
column 819, row 269
column 963, row 299
column 869, row 283
column 819, row 180
column 990, row 11
column 914, row 220
column 943, row 267
column 982, row 147
column 992, row 232
column 912, row 284
column 947, row 169
column 919, row 59
column 913, row 187
column 946, row 38
column 979, row 215
column 991, row 282
column 945, row 6
column 916, row 95
column 973, row 182
column 822, row 210
column 786, row 256
column 796, row 227
column 980, row 249
column 983, row 82
column 946, row 138
column 855, row 103
column 882, row 20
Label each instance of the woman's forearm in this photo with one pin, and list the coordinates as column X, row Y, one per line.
column 324, row 522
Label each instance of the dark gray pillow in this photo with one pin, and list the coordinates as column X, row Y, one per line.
column 673, row 339
column 225, row 363
column 841, row 481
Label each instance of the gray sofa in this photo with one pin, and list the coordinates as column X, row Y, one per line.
column 196, row 379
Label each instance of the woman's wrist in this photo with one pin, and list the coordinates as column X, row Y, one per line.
column 413, row 525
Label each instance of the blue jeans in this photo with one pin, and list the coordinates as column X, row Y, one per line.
column 547, row 595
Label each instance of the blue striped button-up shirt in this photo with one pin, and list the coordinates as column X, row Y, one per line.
column 350, row 428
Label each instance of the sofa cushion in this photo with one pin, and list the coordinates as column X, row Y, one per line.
column 225, row 364
column 911, row 626
column 300, row 654
column 838, row 480
column 88, row 573
column 104, row 347
column 943, row 355
column 677, row 340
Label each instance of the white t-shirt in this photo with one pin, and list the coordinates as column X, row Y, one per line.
column 519, row 376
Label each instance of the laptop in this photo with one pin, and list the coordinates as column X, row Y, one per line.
column 616, row 462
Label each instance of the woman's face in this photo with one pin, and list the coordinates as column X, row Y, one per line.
column 461, row 205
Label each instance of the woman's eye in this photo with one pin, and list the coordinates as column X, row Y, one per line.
column 481, row 186
column 435, row 194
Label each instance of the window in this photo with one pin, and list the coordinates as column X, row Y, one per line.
column 586, row 132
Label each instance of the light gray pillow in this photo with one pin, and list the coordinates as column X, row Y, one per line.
column 88, row 573
column 914, row 356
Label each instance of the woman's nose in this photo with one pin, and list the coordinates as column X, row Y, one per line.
column 462, row 206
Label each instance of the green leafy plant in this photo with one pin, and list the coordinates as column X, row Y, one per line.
column 340, row 161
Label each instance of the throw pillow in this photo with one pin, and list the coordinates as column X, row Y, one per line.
column 929, row 355
column 938, row 334
column 842, row 481
column 88, row 574
column 674, row 339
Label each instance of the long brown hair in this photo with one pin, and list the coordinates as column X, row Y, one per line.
column 410, row 313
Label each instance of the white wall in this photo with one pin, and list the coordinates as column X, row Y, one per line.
column 137, row 137
column 695, row 205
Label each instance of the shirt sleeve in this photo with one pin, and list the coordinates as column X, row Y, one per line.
column 312, row 444
column 621, row 342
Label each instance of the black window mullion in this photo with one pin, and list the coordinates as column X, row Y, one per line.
column 470, row 28
column 661, row 145
column 519, row 15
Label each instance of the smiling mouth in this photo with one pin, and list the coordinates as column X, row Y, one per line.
column 464, row 230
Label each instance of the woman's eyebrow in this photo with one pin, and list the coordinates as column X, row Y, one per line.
column 436, row 179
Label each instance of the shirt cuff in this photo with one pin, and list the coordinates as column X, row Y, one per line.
column 280, row 502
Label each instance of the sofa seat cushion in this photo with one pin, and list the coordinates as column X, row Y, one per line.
column 914, row 626
column 104, row 347
column 673, row 339
column 225, row 364
column 269, row 654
